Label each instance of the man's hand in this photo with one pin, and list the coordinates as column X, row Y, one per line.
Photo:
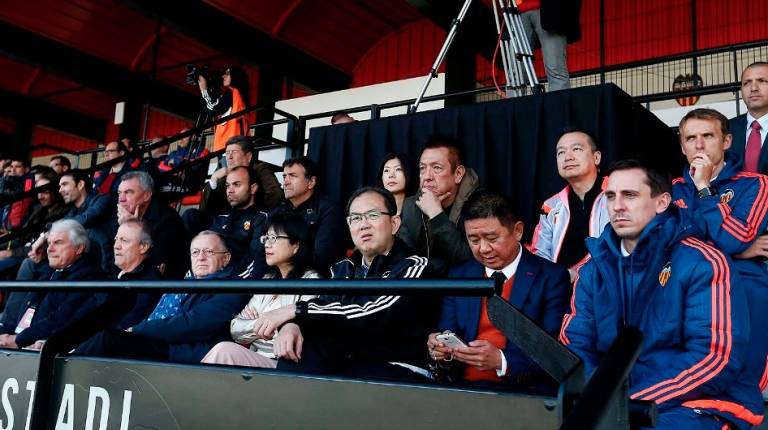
column 430, row 204
column 8, row 341
column 702, row 170
column 759, row 248
column 288, row 342
column 481, row 354
column 219, row 174
column 36, row 252
column 202, row 83
column 124, row 214
column 37, row 346
column 249, row 313
column 437, row 350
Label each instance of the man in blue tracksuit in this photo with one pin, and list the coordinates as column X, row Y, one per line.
column 728, row 206
column 646, row 271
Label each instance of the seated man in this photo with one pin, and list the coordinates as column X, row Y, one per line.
column 432, row 218
column 183, row 327
column 60, row 164
column 539, row 288
column 45, row 312
column 681, row 293
column 368, row 336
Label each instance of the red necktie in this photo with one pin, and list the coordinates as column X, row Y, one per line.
column 752, row 152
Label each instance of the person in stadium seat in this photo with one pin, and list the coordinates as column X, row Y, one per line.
column 232, row 98
column 241, row 228
column 25, row 181
column 239, row 152
column 728, row 207
column 395, row 176
column 136, row 200
column 432, row 218
column 647, row 271
column 60, row 164
column 361, row 335
column 183, row 327
column 106, row 181
column 537, row 287
column 750, row 130
column 324, row 216
column 576, row 212
column 45, row 312
column 289, row 243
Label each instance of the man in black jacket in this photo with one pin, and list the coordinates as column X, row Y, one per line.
column 45, row 313
column 356, row 335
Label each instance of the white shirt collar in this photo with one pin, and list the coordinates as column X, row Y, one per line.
column 763, row 121
column 510, row 269
column 624, row 251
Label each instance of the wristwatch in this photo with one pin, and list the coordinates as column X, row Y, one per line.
column 301, row 309
column 706, row 192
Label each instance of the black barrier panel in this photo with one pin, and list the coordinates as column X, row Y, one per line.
column 18, row 374
column 101, row 394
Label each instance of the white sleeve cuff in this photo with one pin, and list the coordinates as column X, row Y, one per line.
column 212, row 184
column 503, row 371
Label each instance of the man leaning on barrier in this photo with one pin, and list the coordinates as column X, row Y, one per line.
column 647, row 271
column 361, row 335
column 182, row 327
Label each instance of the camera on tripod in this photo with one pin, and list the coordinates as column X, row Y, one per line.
column 212, row 76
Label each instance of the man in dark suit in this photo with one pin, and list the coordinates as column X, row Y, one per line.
column 749, row 130
column 539, row 288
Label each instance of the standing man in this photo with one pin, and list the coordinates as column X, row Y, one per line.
column 432, row 222
column 552, row 25
column 576, row 212
column 750, row 129
column 539, row 288
column 60, row 164
column 646, row 272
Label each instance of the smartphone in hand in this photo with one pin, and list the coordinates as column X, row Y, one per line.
column 450, row 340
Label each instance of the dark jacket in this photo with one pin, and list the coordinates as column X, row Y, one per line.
column 441, row 239
column 377, row 328
column 562, row 17
column 99, row 177
column 692, row 311
column 541, row 290
column 39, row 221
column 96, row 215
column 738, row 128
column 202, row 321
column 241, row 229
column 327, row 222
column 53, row 310
column 270, row 193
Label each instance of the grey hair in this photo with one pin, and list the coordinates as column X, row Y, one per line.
column 145, row 181
column 212, row 233
column 76, row 232
column 145, row 232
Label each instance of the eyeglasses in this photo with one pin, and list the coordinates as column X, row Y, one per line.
column 111, row 151
column 270, row 239
column 370, row 216
column 195, row 252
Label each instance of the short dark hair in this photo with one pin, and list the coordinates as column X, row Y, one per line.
column 572, row 129
column 658, row 182
column 244, row 142
column 755, row 64
column 389, row 199
column 120, row 146
column 451, row 144
column 338, row 115
column 253, row 178
column 24, row 161
column 299, row 231
column 706, row 115
column 405, row 163
column 80, row 175
column 309, row 165
column 487, row 204
column 64, row 160
column 41, row 168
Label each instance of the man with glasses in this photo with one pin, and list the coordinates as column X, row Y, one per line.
column 362, row 335
column 182, row 327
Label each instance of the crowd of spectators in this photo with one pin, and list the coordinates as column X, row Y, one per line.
column 683, row 260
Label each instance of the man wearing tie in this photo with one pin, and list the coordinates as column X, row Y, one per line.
column 749, row 130
column 537, row 287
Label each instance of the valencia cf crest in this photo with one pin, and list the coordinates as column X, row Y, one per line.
column 726, row 196
column 247, row 225
column 665, row 273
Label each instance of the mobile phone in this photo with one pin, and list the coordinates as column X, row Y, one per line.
column 450, row 340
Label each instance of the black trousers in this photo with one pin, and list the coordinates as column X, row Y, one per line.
column 114, row 343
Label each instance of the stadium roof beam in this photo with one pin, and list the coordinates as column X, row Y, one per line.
column 235, row 38
column 94, row 72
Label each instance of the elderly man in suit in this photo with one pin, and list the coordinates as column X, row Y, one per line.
column 538, row 287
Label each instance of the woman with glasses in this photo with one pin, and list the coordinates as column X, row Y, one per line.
column 395, row 176
column 288, row 247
